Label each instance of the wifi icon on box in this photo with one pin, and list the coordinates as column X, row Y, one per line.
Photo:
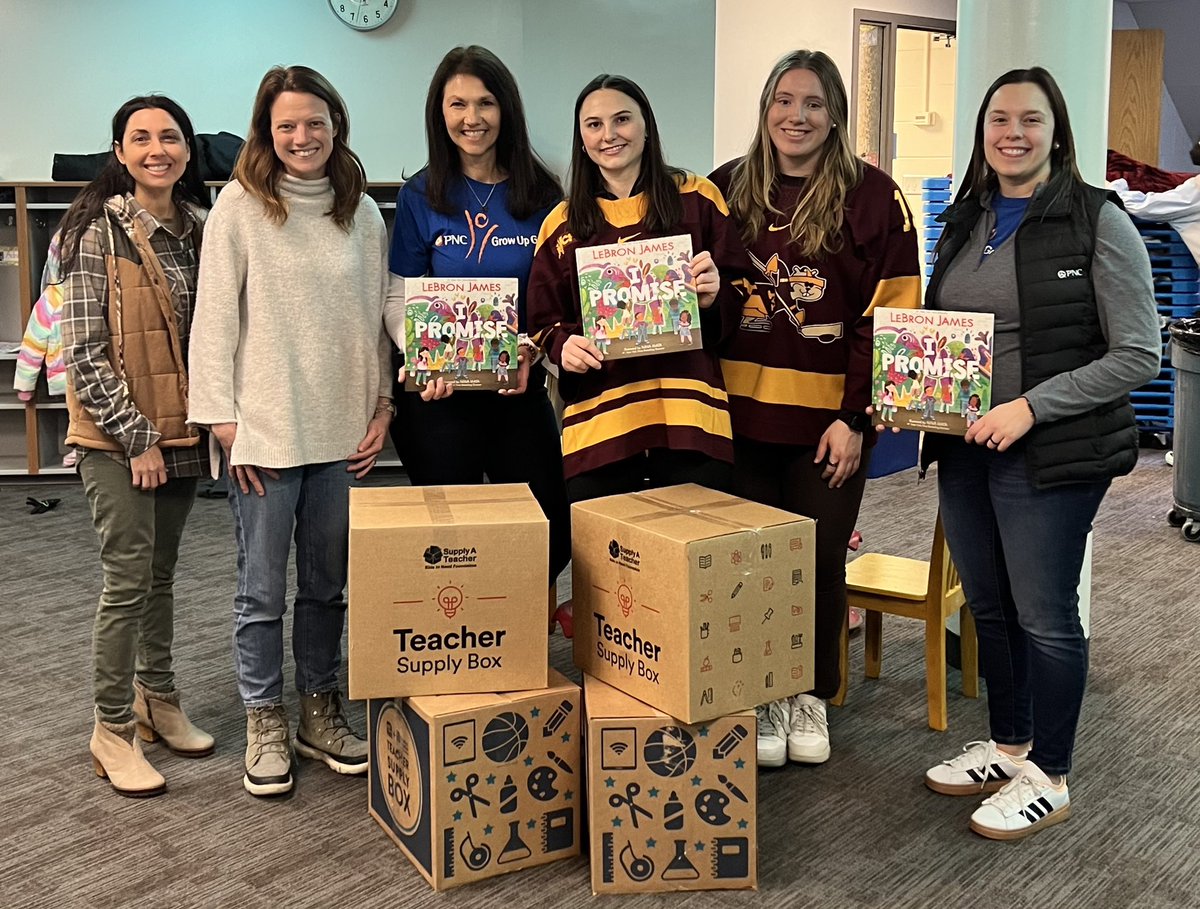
column 618, row 748
column 458, row 743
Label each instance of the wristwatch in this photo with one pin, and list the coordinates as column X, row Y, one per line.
column 855, row 419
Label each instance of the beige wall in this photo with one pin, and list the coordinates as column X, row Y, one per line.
column 753, row 34
column 924, row 88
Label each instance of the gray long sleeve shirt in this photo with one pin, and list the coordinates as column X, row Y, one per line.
column 1124, row 300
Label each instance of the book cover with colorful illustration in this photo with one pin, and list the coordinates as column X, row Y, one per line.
column 461, row 329
column 637, row 298
column 932, row 369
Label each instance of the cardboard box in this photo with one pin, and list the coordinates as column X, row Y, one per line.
column 447, row 590
column 693, row 601
column 670, row 806
column 474, row 785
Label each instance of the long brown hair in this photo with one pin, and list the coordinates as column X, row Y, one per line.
column 816, row 225
column 658, row 180
column 531, row 185
column 258, row 168
column 114, row 178
column 980, row 178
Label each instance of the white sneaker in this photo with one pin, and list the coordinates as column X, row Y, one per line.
column 808, row 740
column 1025, row 805
column 982, row 767
column 772, row 733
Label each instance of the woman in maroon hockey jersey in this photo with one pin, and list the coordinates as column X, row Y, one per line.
column 831, row 239
column 640, row 422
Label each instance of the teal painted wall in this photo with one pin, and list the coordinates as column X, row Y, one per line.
column 66, row 67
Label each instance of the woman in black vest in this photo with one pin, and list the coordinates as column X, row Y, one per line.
column 1068, row 280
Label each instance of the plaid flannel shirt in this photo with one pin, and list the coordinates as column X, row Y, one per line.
column 86, row 335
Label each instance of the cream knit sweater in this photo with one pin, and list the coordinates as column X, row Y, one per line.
column 288, row 339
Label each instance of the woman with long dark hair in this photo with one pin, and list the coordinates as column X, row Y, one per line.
column 1067, row 278
column 131, row 246
column 831, row 238
column 640, row 421
column 291, row 371
column 482, row 180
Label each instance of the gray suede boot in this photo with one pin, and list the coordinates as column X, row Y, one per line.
column 325, row 735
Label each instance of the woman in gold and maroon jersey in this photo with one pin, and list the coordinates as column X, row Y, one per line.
column 830, row 238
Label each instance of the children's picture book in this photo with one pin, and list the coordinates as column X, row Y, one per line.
column 636, row 297
column 461, row 329
column 932, row 369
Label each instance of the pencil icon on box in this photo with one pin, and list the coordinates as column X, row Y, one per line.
column 731, row 740
column 557, row 718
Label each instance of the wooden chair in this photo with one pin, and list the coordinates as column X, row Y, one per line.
column 917, row 589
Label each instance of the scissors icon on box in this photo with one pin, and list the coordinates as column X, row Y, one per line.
column 458, row 794
column 616, row 800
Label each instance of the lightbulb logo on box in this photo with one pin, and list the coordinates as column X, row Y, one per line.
column 436, row 557
column 624, row 556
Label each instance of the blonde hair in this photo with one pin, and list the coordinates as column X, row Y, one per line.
column 816, row 224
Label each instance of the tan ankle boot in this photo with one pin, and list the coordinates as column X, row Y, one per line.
column 117, row 756
column 159, row 715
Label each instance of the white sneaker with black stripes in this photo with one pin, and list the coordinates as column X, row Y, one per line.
column 1029, row 802
column 982, row 767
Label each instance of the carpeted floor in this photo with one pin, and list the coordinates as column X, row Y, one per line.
column 859, row 831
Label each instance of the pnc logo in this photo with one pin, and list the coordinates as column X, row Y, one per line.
column 1070, row 272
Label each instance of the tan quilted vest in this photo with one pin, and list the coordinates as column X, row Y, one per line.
column 144, row 346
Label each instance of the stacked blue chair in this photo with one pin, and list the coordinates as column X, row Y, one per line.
column 898, row 451
column 1176, row 296
column 935, row 196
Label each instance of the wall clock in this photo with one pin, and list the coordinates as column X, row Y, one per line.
column 363, row 15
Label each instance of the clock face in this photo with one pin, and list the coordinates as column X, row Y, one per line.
column 363, row 15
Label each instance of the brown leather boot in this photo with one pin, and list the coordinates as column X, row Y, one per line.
column 117, row 756
column 159, row 716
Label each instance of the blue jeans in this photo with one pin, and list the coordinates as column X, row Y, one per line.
column 1020, row 551
column 312, row 503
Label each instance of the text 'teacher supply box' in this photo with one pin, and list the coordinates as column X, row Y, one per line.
column 475, row 785
column 693, row 601
column 670, row 806
column 447, row 590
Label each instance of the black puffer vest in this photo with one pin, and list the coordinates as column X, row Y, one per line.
column 1060, row 328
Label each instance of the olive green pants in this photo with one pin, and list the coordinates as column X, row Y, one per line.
column 139, row 533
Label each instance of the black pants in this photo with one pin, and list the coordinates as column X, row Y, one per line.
column 786, row 477
column 651, row 470
column 476, row 434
